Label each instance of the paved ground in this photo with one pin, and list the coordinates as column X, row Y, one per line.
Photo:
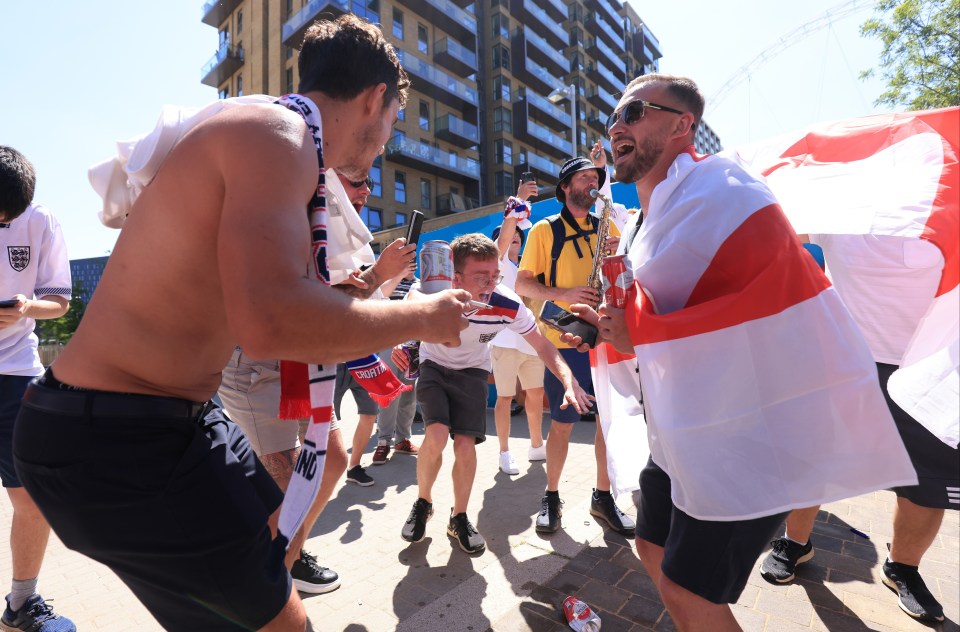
column 519, row 583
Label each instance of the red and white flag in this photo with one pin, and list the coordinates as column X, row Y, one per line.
column 890, row 174
column 760, row 393
column 620, row 413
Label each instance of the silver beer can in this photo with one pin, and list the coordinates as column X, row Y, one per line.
column 436, row 267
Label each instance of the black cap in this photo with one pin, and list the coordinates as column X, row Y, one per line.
column 496, row 233
column 574, row 165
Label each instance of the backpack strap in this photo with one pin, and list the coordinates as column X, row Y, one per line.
column 558, row 224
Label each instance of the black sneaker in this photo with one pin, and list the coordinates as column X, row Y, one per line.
column 358, row 475
column 416, row 524
column 603, row 506
column 310, row 577
column 915, row 598
column 548, row 521
column 779, row 565
column 467, row 537
column 35, row 615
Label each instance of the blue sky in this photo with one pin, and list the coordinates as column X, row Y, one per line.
column 79, row 76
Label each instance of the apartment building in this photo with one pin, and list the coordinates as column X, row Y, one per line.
column 499, row 87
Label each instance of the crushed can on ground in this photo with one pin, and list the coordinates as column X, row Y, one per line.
column 579, row 615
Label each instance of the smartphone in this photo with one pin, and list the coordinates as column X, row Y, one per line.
column 413, row 230
column 10, row 302
column 527, row 176
column 560, row 319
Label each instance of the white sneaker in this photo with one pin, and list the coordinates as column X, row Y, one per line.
column 537, row 454
column 507, row 464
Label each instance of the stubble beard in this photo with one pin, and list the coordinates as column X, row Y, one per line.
column 367, row 149
column 579, row 198
column 645, row 155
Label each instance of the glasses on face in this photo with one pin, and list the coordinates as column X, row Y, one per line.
column 368, row 182
column 633, row 112
column 482, row 280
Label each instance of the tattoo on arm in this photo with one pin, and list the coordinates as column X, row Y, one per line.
column 280, row 466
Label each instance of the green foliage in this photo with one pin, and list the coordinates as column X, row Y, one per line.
column 60, row 330
column 919, row 61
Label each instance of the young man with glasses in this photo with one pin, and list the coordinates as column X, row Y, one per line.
column 452, row 389
column 563, row 280
column 757, row 399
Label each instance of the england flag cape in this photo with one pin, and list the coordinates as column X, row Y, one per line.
column 889, row 174
column 760, row 393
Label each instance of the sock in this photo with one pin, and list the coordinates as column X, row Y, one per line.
column 20, row 591
column 553, row 494
column 601, row 494
column 787, row 536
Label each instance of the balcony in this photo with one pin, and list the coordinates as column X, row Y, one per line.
column 546, row 170
column 537, row 135
column 438, row 84
column 532, row 73
column 646, row 48
column 598, row 122
column 597, row 48
column 216, row 11
column 603, row 75
column 457, row 131
column 449, row 17
column 429, row 158
column 537, row 48
column 294, row 28
column 554, row 8
column 541, row 109
column 604, row 9
column 533, row 17
column 599, row 27
column 455, row 57
column 450, row 203
column 226, row 61
column 602, row 100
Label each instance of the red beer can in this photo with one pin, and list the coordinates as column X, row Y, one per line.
column 617, row 280
column 436, row 267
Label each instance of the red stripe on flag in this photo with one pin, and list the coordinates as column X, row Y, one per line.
column 761, row 269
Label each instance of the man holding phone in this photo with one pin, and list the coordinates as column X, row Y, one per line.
column 557, row 270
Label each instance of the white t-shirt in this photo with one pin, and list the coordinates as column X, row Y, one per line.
column 36, row 266
column 508, row 339
column 474, row 350
column 887, row 284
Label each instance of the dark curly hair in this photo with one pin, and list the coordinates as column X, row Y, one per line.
column 17, row 183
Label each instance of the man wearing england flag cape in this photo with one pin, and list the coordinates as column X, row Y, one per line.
column 758, row 390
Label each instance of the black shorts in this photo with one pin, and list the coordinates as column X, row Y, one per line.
column 456, row 398
column 11, row 391
column 936, row 463
column 711, row 559
column 168, row 495
column 346, row 382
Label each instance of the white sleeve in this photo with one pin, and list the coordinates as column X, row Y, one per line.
column 53, row 269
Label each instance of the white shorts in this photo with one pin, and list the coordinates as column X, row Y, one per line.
column 509, row 364
column 250, row 391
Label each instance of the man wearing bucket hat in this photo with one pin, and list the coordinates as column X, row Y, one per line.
column 556, row 263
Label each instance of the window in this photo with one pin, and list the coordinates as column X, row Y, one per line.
column 401, row 115
column 501, row 56
column 376, row 175
column 288, row 52
column 502, row 184
column 576, row 36
column 423, row 39
column 398, row 23
column 503, row 151
column 502, row 120
column 239, row 85
column 224, row 36
column 582, row 133
column 288, row 7
column 288, row 82
column 369, row 9
column 401, row 219
column 425, row 194
column 501, row 88
column 500, row 25
column 425, row 116
column 240, row 21
column 373, row 218
column 224, row 93
column 400, row 187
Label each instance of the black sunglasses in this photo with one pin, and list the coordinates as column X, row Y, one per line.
column 633, row 112
column 366, row 181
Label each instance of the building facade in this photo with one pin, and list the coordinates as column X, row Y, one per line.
column 86, row 275
column 499, row 87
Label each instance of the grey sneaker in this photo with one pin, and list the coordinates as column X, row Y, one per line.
column 465, row 534
column 548, row 520
column 310, row 577
column 35, row 615
column 359, row 476
column 416, row 525
column 915, row 599
column 780, row 564
column 604, row 507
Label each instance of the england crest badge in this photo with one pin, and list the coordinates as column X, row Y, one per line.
column 19, row 257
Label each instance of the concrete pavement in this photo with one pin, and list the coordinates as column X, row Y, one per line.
column 519, row 582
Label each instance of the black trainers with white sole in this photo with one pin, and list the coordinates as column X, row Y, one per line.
column 310, row 577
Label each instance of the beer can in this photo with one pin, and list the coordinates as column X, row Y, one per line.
column 617, row 280
column 411, row 349
column 436, row 267
column 579, row 616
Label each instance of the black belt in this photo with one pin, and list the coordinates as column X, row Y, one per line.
column 103, row 404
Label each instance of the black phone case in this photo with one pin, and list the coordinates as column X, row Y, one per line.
column 570, row 323
column 416, row 224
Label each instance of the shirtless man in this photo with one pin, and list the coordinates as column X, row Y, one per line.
column 112, row 444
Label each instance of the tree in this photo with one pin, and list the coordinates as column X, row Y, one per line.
column 920, row 52
column 60, row 330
